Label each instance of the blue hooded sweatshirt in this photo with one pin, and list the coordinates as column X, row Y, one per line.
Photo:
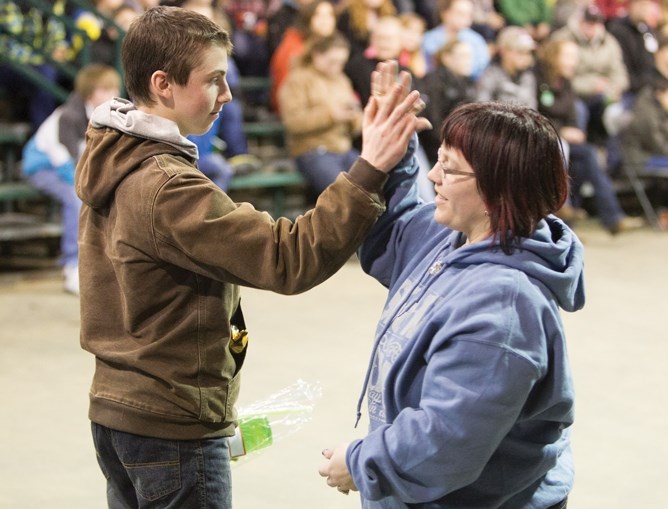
column 470, row 396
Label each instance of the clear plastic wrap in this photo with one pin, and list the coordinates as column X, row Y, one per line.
column 264, row 422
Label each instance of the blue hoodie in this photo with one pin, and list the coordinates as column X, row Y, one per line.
column 470, row 395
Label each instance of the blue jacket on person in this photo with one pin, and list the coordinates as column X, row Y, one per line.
column 470, row 395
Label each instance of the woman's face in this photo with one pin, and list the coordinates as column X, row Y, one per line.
column 458, row 203
column 567, row 61
column 323, row 22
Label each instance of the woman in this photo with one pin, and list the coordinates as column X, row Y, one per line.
column 557, row 100
column 321, row 112
column 316, row 19
column 470, row 394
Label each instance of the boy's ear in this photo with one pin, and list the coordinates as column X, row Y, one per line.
column 160, row 84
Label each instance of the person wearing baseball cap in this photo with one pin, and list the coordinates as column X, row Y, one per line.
column 510, row 77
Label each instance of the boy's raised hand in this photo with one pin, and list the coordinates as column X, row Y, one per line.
column 390, row 117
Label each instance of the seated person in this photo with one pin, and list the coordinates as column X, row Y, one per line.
column 321, row 112
column 645, row 139
column 444, row 88
column 51, row 155
column 384, row 44
column 510, row 77
column 316, row 19
column 557, row 101
column 456, row 18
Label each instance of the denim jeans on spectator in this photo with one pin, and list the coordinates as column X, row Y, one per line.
column 321, row 167
column 230, row 129
column 63, row 192
column 583, row 168
column 215, row 167
column 154, row 473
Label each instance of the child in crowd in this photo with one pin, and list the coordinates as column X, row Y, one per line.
column 316, row 19
column 163, row 253
column 357, row 20
column 411, row 56
column 50, row 156
column 456, row 19
column 510, row 77
column 321, row 112
column 444, row 88
column 384, row 44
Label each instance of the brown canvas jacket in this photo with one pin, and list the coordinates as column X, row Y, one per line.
column 163, row 253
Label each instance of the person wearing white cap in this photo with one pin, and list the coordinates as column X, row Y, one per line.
column 510, row 77
column 600, row 77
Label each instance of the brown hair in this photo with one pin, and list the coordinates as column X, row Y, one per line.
column 93, row 76
column 358, row 15
column 306, row 13
column 518, row 161
column 319, row 45
column 169, row 39
column 548, row 54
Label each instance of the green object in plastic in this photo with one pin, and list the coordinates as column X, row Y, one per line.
column 255, row 433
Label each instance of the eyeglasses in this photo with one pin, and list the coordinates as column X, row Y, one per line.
column 445, row 171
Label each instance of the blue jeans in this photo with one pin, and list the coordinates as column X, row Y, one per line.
column 50, row 184
column 583, row 168
column 320, row 167
column 153, row 473
column 215, row 167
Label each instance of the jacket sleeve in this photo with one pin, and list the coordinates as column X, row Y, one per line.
column 475, row 387
column 384, row 254
column 196, row 226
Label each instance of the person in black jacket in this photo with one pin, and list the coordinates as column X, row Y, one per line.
column 448, row 85
column 636, row 34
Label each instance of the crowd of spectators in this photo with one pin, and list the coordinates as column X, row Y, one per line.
column 457, row 51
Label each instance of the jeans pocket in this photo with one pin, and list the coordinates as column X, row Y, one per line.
column 152, row 464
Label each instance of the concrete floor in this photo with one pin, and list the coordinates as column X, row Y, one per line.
column 618, row 348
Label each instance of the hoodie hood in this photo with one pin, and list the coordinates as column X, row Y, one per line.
column 553, row 255
column 111, row 154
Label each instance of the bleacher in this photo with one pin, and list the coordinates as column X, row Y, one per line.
column 27, row 214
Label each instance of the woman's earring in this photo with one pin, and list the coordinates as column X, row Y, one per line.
column 486, row 212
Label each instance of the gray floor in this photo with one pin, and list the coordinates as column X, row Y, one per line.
column 618, row 348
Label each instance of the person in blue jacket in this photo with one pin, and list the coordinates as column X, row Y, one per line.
column 469, row 390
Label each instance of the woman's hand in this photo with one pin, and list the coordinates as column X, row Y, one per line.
column 336, row 471
column 390, row 117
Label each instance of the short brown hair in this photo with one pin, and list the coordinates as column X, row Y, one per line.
column 93, row 76
column 518, row 161
column 170, row 39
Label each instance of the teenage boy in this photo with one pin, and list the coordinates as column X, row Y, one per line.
column 163, row 253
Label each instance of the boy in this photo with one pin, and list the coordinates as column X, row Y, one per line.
column 51, row 154
column 163, row 252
